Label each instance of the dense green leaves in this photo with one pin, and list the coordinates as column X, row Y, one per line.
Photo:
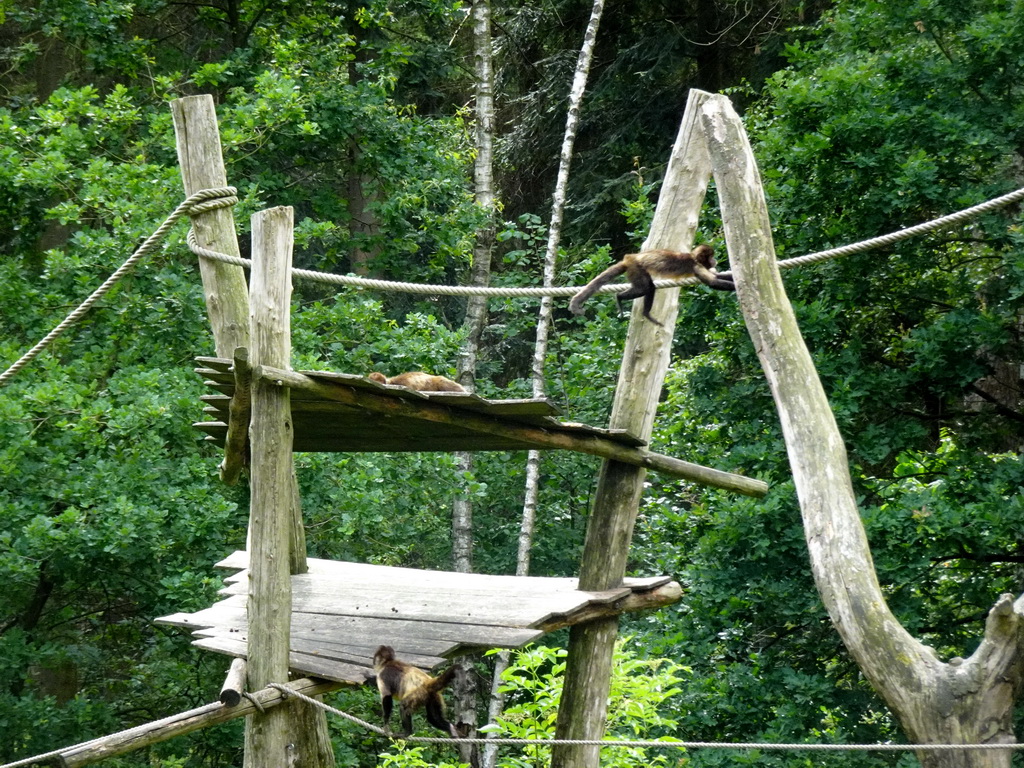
column 110, row 511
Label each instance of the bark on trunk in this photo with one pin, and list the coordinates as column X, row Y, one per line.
column 465, row 687
column 581, row 713
column 540, row 351
column 957, row 702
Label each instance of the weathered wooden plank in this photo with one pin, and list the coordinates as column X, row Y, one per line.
column 340, row 651
column 538, row 437
column 231, row 614
column 666, row 594
column 222, row 364
column 301, row 662
column 218, row 403
column 406, row 602
column 359, row 573
column 221, row 377
column 364, row 575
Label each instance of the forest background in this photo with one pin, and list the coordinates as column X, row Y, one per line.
column 865, row 117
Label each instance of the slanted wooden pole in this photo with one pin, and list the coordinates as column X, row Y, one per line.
column 581, row 714
column 146, row 735
column 202, row 167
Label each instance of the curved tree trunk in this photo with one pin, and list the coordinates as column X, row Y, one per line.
column 956, row 702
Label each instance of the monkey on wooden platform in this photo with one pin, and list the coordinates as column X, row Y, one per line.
column 641, row 269
column 424, row 382
column 412, row 688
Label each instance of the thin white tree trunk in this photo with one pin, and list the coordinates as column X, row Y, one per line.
column 540, row 351
column 465, row 688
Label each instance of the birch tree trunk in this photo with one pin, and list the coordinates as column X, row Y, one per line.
column 956, row 702
column 540, row 350
column 465, row 687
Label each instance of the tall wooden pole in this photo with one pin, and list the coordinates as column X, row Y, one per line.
column 267, row 742
column 227, row 303
column 581, row 714
column 227, row 296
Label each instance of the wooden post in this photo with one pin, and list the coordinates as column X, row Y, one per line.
column 234, row 684
column 227, row 305
column 960, row 701
column 581, row 714
column 267, row 742
column 202, row 167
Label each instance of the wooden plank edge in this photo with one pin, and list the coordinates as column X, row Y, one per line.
column 664, row 595
column 304, row 663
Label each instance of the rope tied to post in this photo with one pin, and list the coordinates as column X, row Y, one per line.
column 201, row 202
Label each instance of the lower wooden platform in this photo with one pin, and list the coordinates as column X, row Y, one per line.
column 342, row 611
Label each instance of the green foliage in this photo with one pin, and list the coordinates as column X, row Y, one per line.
column 637, row 705
column 888, row 115
column 640, row 695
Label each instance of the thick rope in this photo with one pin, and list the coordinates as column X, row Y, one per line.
column 204, row 200
column 209, row 199
column 469, row 290
column 767, row 745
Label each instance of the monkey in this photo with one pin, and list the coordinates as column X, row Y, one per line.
column 413, row 688
column 424, row 382
column 641, row 269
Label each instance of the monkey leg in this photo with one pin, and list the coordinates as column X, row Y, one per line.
column 406, row 720
column 435, row 716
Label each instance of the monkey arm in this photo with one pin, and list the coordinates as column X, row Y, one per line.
column 712, row 279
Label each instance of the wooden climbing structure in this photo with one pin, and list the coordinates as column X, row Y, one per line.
column 289, row 614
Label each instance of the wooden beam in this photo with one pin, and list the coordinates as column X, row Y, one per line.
column 186, row 722
column 582, row 709
column 234, row 684
column 664, row 595
column 202, row 167
column 239, row 410
column 539, row 436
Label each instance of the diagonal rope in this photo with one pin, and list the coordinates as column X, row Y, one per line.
column 204, row 200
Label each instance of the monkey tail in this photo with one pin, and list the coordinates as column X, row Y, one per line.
column 576, row 304
column 442, row 680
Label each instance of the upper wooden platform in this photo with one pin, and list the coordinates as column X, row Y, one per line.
column 345, row 413
column 323, row 424
column 342, row 611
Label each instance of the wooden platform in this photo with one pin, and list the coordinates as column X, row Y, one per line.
column 340, row 412
column 322, row 424
column 342, row 611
